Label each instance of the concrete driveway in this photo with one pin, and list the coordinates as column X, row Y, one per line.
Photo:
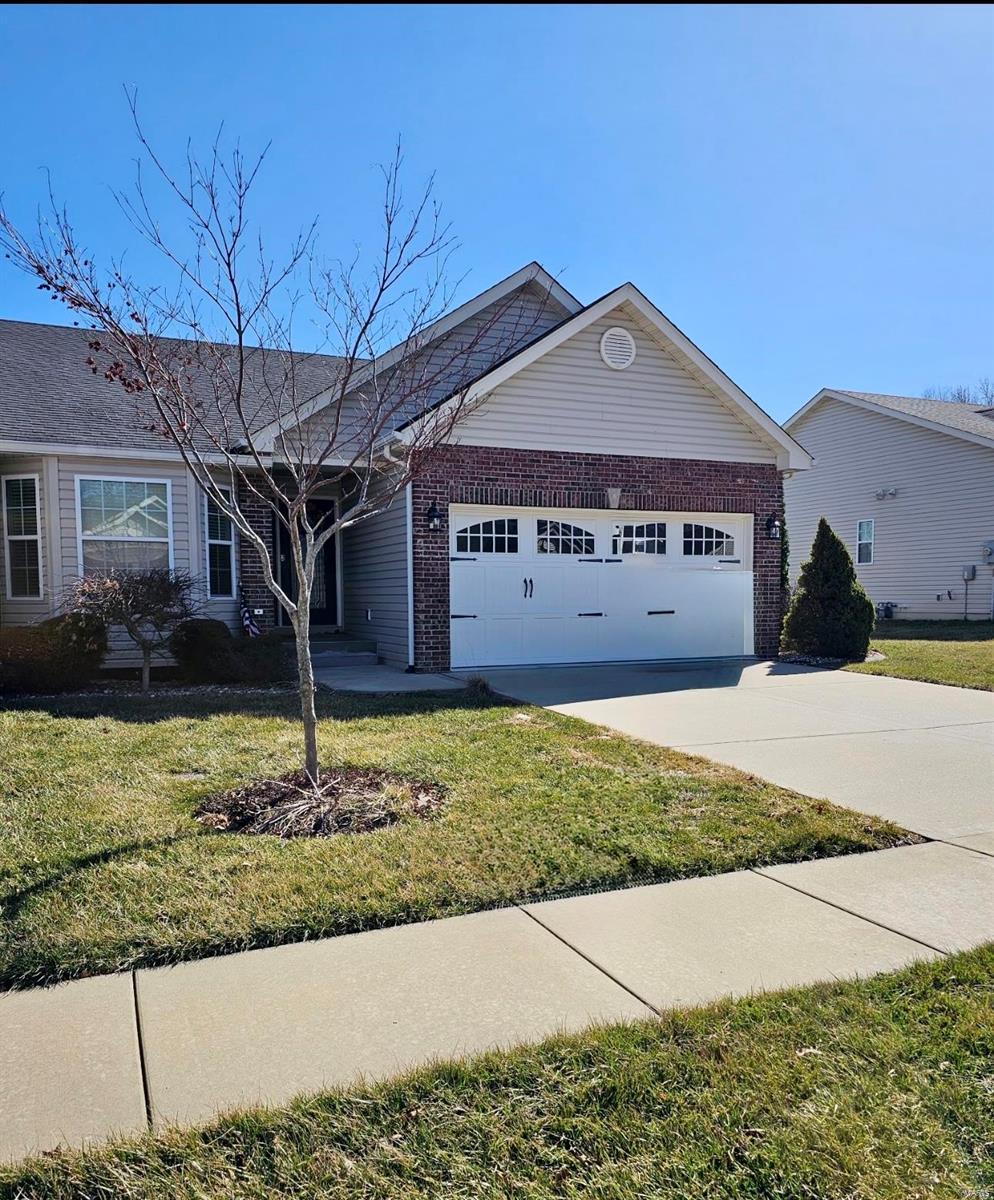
column 917, row 753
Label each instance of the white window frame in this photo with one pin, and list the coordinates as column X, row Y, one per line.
column 80, row 539
column 871, row 541
column 22, row 537
column 209, row 541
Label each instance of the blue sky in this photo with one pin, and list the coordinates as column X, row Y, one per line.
column 808, row 192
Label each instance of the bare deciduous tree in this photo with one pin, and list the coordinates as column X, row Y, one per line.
column 981, row 393
column 207, row 353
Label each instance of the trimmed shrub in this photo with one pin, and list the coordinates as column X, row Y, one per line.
column 830, row 615
column 206, row 652
column 57, row 655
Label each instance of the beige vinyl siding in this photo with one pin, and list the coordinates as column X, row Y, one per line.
column 25, row 610
column 937, row 523
column 569, row 399
column 375, row 581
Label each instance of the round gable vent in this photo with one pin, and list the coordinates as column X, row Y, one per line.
column 618, row 348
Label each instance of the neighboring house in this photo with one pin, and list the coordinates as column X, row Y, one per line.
column 908, row 485
column 610, row 495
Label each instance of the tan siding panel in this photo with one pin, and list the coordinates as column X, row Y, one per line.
column 571, row 400
column 374, row 576
column 937, row 523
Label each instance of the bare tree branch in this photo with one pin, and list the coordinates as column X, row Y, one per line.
column 207, row 353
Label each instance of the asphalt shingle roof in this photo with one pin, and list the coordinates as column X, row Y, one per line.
column 968, row 418
column 48, row 394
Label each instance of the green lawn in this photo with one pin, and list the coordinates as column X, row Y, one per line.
column 956, row 652
column 880, row 1090
column 102, row 866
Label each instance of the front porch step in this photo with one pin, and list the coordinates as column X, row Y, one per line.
column 339, row 658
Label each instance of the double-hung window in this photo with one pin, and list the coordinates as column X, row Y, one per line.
column 124, row 525
column 864, row 542
column 220, row 548
column 22, row 536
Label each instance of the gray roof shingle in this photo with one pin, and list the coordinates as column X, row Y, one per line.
column 967, row 418
column 49, row 395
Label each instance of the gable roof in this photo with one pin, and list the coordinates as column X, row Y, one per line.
column 51, row 402
column 973, row 422
column 532, row 273
column 790, row 454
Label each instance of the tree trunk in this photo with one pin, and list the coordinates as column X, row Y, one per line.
column 305, row 672
column 146, row 668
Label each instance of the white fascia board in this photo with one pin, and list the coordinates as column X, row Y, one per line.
column 790, row 454
column 911, row 418
column 139, row 454
column 532, row 273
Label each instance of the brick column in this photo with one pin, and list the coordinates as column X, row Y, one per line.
column 250, row 576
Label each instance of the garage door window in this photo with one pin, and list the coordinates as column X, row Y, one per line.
column 649, row 538
column 489, row 537
column 704, row 541
column 558, row 537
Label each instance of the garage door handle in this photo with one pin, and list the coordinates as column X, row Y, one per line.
column 729, row 560
column 462, row 560
column 531, row 588
column 607, row 560
column 462, row 616
column 660, row 612
column 591, row 560
column 590, row 614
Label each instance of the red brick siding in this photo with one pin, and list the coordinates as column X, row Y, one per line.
column 555, row 479
column 250, row 577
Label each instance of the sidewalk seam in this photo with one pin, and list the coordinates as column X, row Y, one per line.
column 142, row 1066
column 959, row 845
column 851, row 912
column 593, row 962
column 804, row 737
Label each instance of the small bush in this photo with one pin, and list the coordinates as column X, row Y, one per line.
column 148, row 605
column 206, row 652
column 58, row 655
column 830, row 615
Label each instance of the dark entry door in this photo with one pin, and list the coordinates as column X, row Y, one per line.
column 324, row 596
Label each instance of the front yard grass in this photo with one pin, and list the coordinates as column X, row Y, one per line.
column 102, row 866
column 879, row 1090
column 960, row 653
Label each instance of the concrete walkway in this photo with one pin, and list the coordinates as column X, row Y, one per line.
column 920, row 754
column 86, row 1060
column 382, row 679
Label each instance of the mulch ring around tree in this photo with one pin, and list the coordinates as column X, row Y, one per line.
column 346, row 800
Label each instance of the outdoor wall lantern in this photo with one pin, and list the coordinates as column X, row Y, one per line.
column 434, row 517
column 773, row 527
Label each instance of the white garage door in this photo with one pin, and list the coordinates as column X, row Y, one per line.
column 549, row 586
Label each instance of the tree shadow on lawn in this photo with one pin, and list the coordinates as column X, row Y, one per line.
column 13, row 903
column 169, row 704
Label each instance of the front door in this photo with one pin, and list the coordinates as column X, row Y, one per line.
column 324, row 595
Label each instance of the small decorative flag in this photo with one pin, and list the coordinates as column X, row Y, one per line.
column 249, row 627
